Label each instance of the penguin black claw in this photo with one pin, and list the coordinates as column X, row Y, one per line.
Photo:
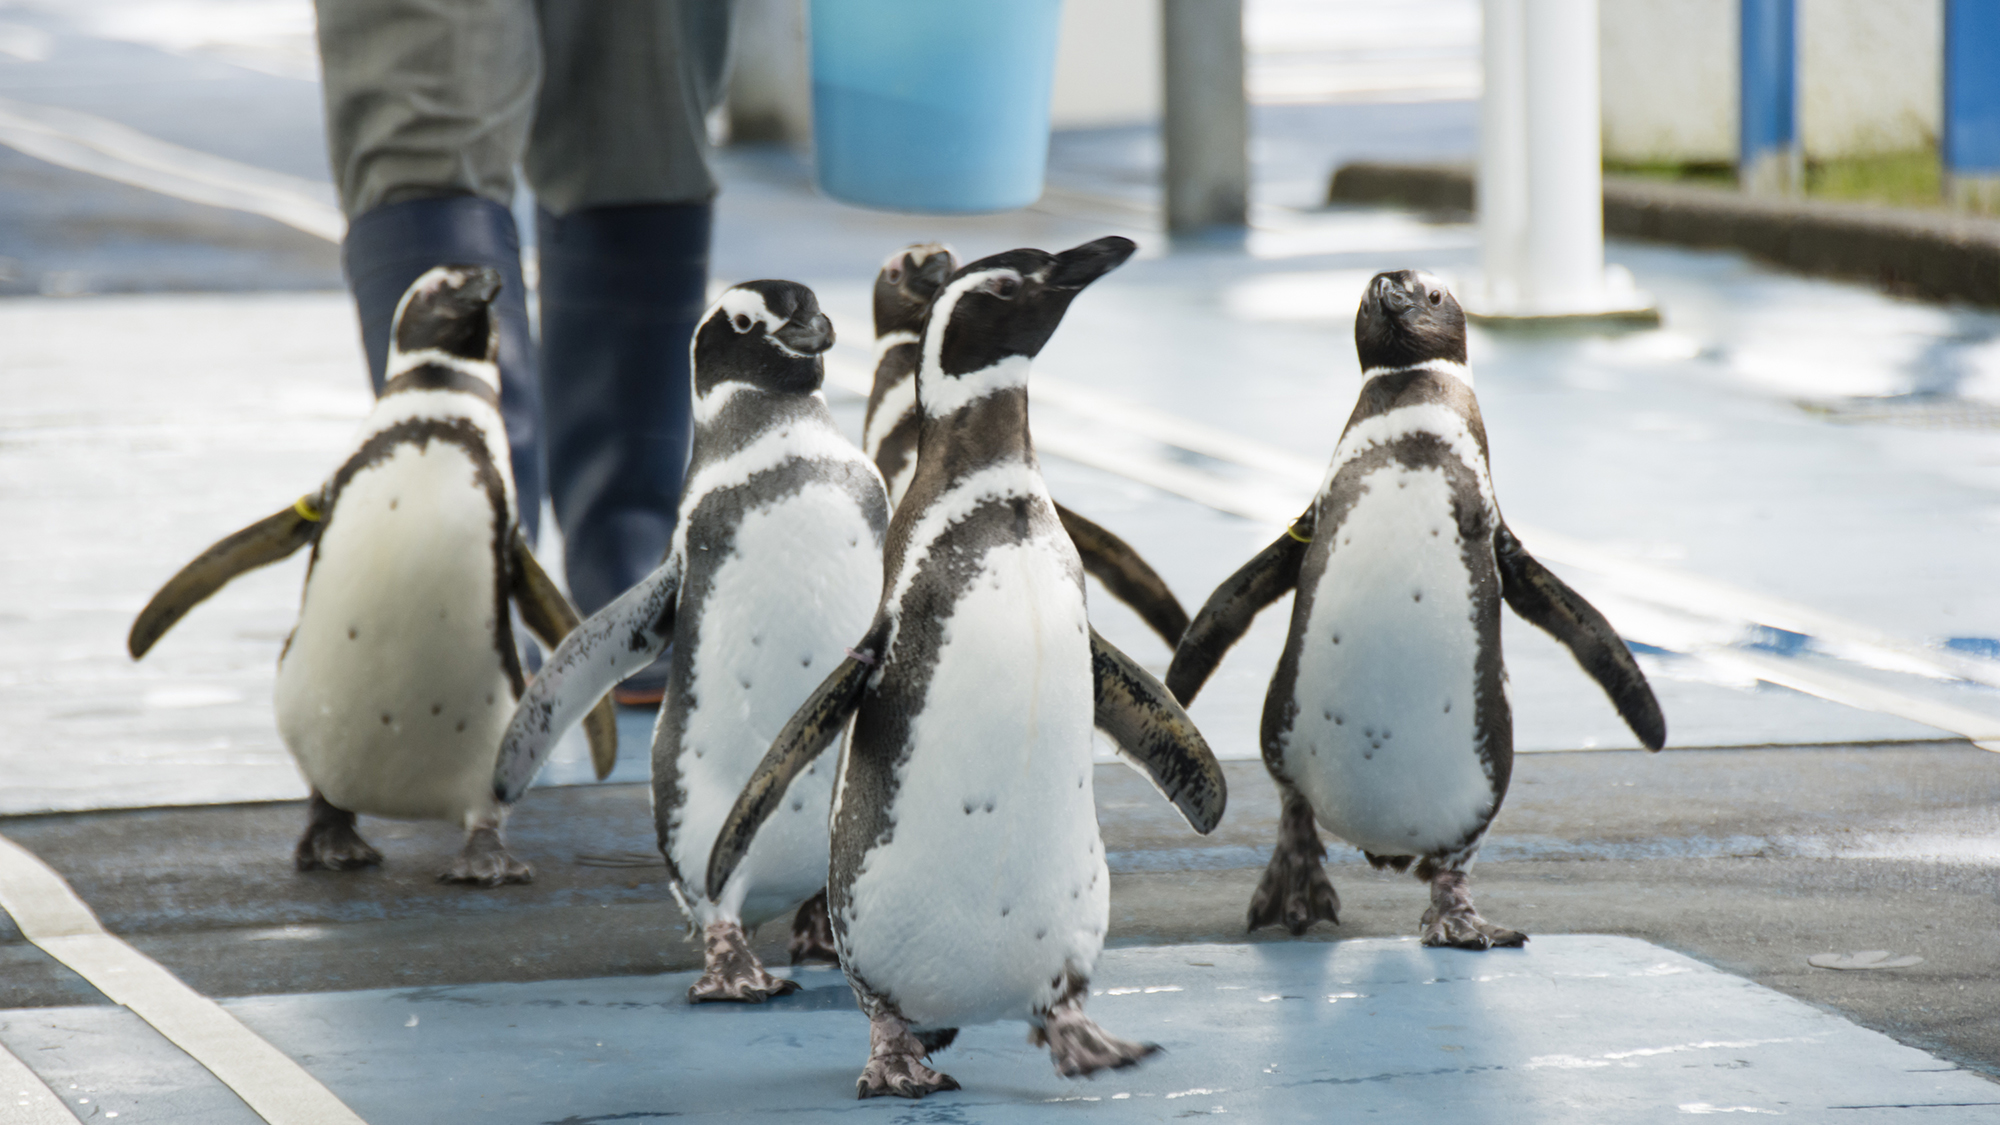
column 486, row 862
column 1294, row 896
column 732, row 971
column 331, row 842
column 896, row 1059
column 901, row 1076
column 1078, row 1046
column 812, row 933
column 1295, row 891
column 1451, row 921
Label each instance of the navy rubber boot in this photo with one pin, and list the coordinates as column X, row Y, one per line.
column 622, row 290
column 390, row 246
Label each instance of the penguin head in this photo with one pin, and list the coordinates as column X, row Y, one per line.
column 1408, row 317
column 768, row 334
column 446, row 314
column 1006, row 307
column 909, row 280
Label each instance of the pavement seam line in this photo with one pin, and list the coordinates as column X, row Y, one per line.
column 41, row 1104
column 87, row 143
column 52, row 916
column 1662, row 585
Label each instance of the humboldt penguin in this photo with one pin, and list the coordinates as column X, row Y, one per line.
column 904, row 289
column 1387, row 719
column 968, row 880
column 394, row 687
column 775, row 566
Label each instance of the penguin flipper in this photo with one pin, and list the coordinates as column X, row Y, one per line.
column 806, row 736
column 1130, row 579
column 1546, row 601
column 261, row 544
column 550, row 617
column 1151, row 731
column 1270, row 575
column 610, row 645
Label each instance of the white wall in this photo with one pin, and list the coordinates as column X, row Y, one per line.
column 1108, row 65
column 1869, row 73
column 1872, row 74
column 1669, row 79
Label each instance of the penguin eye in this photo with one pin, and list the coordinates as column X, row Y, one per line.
column 895, row 275
column 1437, row 296
column 742, row 322
column 1005, row 287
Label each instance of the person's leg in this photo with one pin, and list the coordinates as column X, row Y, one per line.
column 428, row 107
column 618, row 162
column 621, row 291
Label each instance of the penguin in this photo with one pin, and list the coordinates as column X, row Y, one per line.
column 968, row 880
column 1387, row 719
column 774, row 567
column 396, row 683
column 904, row 288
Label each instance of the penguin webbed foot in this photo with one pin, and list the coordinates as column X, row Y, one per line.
column 486, row 862
column 1452, row 922
column 731, row 972
column 1076, row 1044
column 331, row 842
column 812, row 932
column 896, row 1060
column 1295, row 892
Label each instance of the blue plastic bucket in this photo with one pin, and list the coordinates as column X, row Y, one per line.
column 933, row 105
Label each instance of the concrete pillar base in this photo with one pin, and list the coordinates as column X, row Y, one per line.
column 1976, row 193
column 1608, row 320
column 1774, row 173
column 1616, row 303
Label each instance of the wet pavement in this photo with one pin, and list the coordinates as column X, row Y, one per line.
column 1785, row 498
column 1264, row 1032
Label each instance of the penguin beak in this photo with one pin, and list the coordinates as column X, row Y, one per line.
column 1395, row 300
column 1081, row 265
column 483, row 285
column 476, row 288
column 928, row 275
column 808, row 335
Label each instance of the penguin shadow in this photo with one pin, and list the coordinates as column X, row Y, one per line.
column 1381, row 1019
column 821, row 989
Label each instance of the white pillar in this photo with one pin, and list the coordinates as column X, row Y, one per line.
column 1541, row 178
column 1564, row 262
column 1502, row 196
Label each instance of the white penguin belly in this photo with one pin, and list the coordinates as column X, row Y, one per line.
column 1384, row 743
column 392, row 695
column 800, row 586
column 993, row 881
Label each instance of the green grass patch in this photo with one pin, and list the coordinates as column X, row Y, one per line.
column 1903, row 179
column 1704, row 174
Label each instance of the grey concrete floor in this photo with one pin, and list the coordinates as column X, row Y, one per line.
column 1749, row 860
column 1575, row 1030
